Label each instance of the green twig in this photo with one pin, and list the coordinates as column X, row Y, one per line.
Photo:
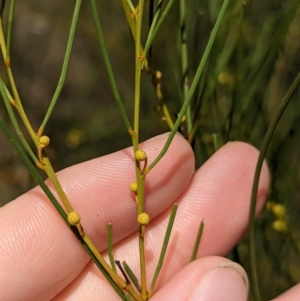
column 135, row 141
column 258, row 167
column 9, row 28
column 155, row 20
column 104, row 272
column 32, row 169
column 131, row 275
column 164, row 248
column 17, row 100
column 64, row 67
column 193, row 86
column 2, row 8
column 153, row 32
column 110, row 246
column 6, row 96
column 150, row 22
column 197, row 241
column 54, row 201
column 108, row 65
column 184, row 62
column 127, row 297
column 129, row 3
column 137, row 84
column 217, row 140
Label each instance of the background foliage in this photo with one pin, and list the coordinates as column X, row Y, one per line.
column 253, row 62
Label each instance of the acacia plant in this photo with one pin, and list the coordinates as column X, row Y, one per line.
column 199, row 90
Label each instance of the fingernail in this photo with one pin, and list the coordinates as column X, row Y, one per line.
column 223, row 283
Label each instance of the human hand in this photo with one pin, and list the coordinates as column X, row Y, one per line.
column 41, row 259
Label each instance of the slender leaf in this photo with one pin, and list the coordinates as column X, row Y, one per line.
column 258, row 167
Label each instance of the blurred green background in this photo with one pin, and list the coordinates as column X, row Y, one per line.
column 253, row 62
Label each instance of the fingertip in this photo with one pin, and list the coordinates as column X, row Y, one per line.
column 210, row 278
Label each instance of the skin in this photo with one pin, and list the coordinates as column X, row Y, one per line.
column 40, row 258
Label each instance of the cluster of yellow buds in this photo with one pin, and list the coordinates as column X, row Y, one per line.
column 279, row 211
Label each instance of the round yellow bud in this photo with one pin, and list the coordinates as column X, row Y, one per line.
column 280, row 225
column 225, row 78
column 44, row 141
column 74, row 218
column 133, row 187
column 270, row 205
column 143, row 218
column 140, row 155
column 279, row 210
column 158, row 74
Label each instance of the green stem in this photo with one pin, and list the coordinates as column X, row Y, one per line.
column 2, row 40
column 9, row 28
column 193, row 86
column 56, row 204
column 52, row 176
column 164, row 248
column 155, row 20
column 128, row 14
column 138, row 71
column 197, row 241
column 17, row 99
column 129, row 3
column 258, row 167
column 2, row 8
column 32, row 169
column 135, row 140
column 110, row 246
column 64, row 67
column 184, row 61
column 108, row 65
column 144, row 293
column 131, row 275
column 6, row 96
column 152, row 33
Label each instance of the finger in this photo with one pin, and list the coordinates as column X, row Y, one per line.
column 220, row 193
column 292, row 294
column 38, row 253
column 207, row 279
column 193, row 282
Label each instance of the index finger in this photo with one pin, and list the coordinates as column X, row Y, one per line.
column 38, row 253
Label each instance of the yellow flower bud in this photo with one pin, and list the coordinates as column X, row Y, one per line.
column 140, row 155
column 279, row 210
column 225, row 78
column 143, row 218
column 280, row 225
column 158, row 74
column 44, row 141
column 74, row 218
column 270, row 205
column 133, row 187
